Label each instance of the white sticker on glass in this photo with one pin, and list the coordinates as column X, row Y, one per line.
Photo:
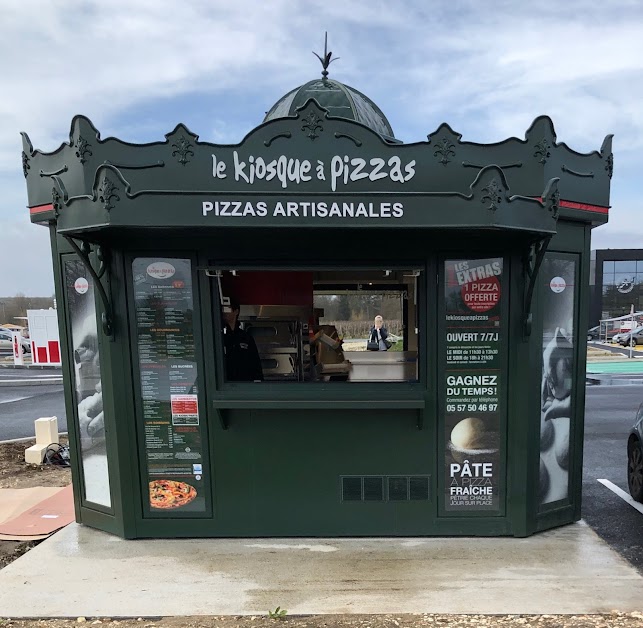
column 161, row 270
column 557, row 284
column 81, row 285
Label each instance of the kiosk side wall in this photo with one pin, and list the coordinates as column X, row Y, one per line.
column 278, row 471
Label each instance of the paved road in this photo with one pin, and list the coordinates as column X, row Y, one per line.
column 617, row 349
column 609, row 415
column 8, row 375
column 21, row 405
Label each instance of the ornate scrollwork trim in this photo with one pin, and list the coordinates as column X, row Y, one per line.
column 532, row 261
column 83, row 252
column 182, row 146
column 25, row 164
column 494, row 193
column 54, row 172
column 468, row 164
column 534, row 256
column 551, row 198
column 55, row 201
column 609, row 165
column 158, row 164
column 312, row 124
column 108, row 191
column 542, row 151
column 564, row 168
column 444, row 149
column 348, row 137
column 83, row 147
column 287, row 135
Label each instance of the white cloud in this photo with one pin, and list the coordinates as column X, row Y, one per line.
column 26, row 259
column 486, row 67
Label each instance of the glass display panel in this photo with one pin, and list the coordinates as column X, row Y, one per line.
column 90, row 418
column 472, row 397
column 558, row 274
column 318, row 326
column 627, row 266
column 608, row 267
column 169, row 406
column 624, row 282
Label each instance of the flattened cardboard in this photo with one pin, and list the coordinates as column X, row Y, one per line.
column 44, row 518
column 15, row 501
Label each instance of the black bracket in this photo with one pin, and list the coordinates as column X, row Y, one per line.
column 532, row 261
column 221, row 415
column 83, row 252
column 535, row 254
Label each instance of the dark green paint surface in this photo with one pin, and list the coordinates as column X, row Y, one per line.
column 161, row 184
column 277, row 454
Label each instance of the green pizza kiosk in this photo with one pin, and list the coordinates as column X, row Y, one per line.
column 175, row 258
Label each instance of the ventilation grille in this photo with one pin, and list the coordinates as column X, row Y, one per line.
column 381, row 488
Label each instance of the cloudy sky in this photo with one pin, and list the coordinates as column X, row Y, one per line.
column 136, row 68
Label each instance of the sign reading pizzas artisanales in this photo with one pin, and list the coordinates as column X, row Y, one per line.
column 301, row 209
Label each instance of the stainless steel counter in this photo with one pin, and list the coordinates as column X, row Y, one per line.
column 382, row 366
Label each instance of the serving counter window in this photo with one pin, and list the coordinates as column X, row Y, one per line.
column 318, row 325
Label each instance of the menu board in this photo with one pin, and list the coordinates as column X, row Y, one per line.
column 164, row 307
column 472, row 397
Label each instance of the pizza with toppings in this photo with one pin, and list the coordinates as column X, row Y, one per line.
column 170, row 494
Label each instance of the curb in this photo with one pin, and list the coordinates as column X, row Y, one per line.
column 31, row 382
column 608, row 379
column 25, row 439
column 42, row 367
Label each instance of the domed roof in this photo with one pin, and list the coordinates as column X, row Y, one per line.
column 341, row 101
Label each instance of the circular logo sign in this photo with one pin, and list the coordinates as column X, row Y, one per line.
column 161, row 270
column 557, row 284
column 81, row 285
column 481, row 295
column 625, row 285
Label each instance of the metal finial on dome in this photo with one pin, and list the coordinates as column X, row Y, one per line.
column 326, row 61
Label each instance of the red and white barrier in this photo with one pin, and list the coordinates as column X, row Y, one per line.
column 16, row 344
column 43, row 334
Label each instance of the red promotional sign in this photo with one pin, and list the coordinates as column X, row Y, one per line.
column 184, row 404
column 481, row 295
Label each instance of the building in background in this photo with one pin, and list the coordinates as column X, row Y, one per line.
column 616, row 283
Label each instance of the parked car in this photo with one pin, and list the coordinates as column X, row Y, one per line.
column 635, row 458
column 6, row 342
column 24, row 331
column 621, row 334
column 636, row 335
column 594, row 333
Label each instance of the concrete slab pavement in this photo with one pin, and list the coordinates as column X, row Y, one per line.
column 83, row 572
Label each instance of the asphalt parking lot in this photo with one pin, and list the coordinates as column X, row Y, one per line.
column 26, row 395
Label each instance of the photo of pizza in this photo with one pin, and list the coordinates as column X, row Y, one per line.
column 170, row 494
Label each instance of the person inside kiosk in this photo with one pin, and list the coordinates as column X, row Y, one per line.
column 242, row 361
